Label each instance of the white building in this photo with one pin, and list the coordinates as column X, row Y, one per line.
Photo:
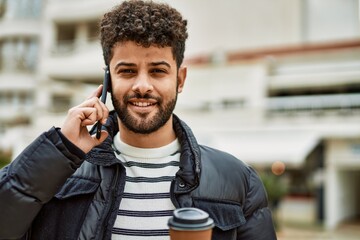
column 20, row 33
column 267, row 81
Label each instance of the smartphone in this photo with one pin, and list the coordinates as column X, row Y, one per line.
column 105, row 89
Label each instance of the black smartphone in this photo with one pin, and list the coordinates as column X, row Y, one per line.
column 106, row 85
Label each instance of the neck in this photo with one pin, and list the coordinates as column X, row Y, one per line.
column 159, row 138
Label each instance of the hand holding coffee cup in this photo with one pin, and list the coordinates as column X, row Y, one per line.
column 190, row 224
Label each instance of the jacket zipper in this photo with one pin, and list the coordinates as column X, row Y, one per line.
column 172, row 194
column 111, row 205
column 28, row 234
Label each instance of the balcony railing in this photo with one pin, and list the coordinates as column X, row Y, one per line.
column 71, row 46
column 349, row 103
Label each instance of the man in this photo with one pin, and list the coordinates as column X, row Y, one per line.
column 68, row 184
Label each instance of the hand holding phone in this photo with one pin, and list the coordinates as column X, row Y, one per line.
column 103, row 97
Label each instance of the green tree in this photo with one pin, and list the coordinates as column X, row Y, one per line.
column 276, row 189
column 5, row 158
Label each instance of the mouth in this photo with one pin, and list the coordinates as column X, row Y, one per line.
column 142, row 103
column 142, row 106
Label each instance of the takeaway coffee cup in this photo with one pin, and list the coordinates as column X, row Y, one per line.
column 190, row 224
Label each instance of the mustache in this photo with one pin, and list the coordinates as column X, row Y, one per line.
column 141, row 96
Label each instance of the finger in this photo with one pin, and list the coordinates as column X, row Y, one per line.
column 95, row 103
column 105, row 112
column 88, row 116
column 98, row 105
column 97, row 92
column 90, row 102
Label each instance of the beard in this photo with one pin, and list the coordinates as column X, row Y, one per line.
column 142, row 123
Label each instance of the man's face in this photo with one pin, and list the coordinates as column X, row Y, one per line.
column 145, row 84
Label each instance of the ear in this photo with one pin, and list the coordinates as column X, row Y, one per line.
column 181, row 78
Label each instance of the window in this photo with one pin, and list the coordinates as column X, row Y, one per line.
column 17, row 100
column 66, row 34
column 18, row 54
column 25, row 98
column 20, row 8
column 2, row 8
column 61, row 102
column 1, row 55
column 93, row 31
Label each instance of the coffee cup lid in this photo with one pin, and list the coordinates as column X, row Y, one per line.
column 190, row 219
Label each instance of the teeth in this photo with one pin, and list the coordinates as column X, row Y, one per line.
column 142, row 104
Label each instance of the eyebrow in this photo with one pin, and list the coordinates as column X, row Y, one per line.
column 124, row 64
column 153, row 64
column 160, row 63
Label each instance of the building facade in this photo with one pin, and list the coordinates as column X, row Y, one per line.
column 20, row 34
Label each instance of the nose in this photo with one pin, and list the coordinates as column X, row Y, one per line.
column 142, row 84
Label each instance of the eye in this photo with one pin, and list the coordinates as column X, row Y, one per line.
column 158, row 70
column 127, row 71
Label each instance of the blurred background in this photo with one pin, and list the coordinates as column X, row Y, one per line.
column 274, row 82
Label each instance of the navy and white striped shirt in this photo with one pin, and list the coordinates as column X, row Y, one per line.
column 146, row 206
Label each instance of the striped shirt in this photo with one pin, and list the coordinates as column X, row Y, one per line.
column 146, row 206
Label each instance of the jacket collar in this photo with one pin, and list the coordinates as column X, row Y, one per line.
column 189, row 172
column 188, row 176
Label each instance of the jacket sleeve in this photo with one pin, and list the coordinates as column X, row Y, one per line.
column 31, row 180
column 259, row 223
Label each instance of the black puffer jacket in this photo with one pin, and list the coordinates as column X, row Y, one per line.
column 48, row 192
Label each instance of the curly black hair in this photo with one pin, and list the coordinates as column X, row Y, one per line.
column 146, row 23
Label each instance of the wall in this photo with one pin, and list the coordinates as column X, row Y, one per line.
column 342, row 170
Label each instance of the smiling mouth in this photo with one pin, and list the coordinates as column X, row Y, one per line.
column 142, row 104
